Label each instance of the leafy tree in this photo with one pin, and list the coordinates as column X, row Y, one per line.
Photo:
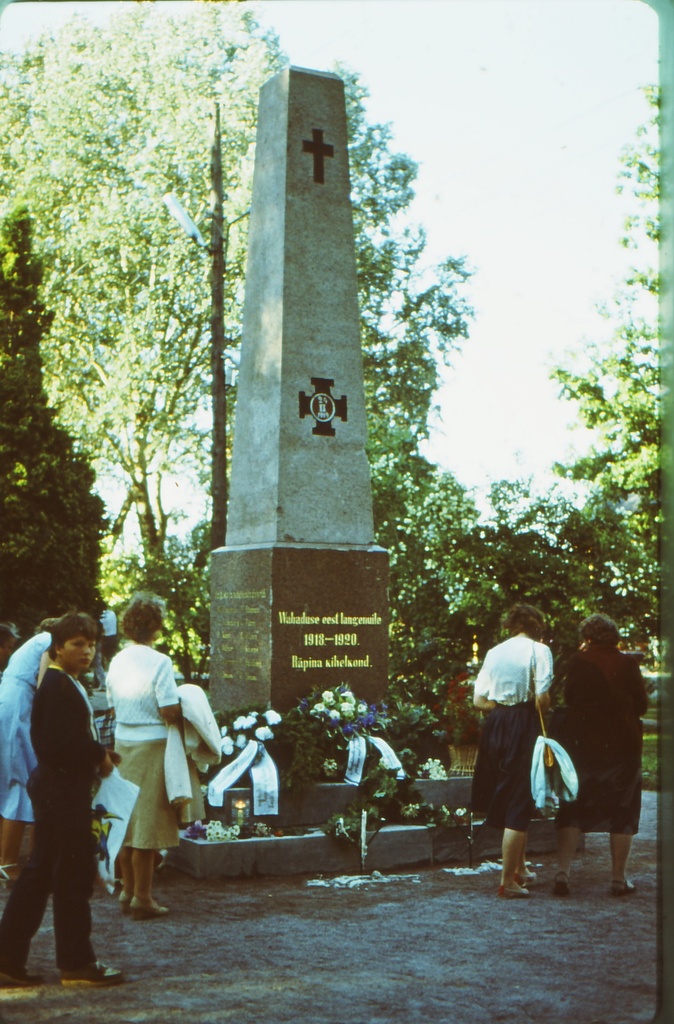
column 50, row 521
column 616, row 385
column 546, row 550
column 181, row 577
column 97, row 132
column 412, row 317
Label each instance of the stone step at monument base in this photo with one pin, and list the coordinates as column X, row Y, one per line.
column 392, row 848
column 317, row 804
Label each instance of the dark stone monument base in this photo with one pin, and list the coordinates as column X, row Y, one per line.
column 289, row 620
column 394, row 847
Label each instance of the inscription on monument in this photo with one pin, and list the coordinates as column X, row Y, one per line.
column 328, row 642
column 244, row 619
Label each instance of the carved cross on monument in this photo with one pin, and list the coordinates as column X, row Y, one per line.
column 323, row 406
column 320, row 150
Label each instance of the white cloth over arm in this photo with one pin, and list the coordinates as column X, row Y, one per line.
column 201, row 744
column 203, row 741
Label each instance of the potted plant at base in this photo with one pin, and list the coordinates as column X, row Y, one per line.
column 463, row 723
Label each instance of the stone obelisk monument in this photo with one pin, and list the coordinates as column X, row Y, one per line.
column 299, row 592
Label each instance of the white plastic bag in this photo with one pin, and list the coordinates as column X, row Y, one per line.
column 111, row 807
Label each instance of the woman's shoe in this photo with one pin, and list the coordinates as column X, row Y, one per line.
column 528, row 878
column 561, row 886
column 621, row 887
column 146, row 911
column 512, row 892
column 125, row 902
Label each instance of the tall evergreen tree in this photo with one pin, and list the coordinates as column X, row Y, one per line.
column 50, row 520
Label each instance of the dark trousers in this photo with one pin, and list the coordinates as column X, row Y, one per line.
column 62, row 865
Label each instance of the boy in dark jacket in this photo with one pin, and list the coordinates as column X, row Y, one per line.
column 62, row 862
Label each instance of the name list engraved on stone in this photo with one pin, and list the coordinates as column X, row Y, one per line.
column 242, row 632
column 320, row 150
column 322, row 406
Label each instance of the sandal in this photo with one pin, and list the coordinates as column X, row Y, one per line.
column 621, row 887
column 561, row 886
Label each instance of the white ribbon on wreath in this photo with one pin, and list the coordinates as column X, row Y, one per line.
column 254, row 759
column 357, row 749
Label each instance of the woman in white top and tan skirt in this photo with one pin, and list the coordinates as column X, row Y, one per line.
column 512, row 684
column 141, row 688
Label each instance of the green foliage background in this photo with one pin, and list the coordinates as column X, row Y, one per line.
column 51, row 522
column 95, row 131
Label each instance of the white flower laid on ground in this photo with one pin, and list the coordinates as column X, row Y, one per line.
column 483, row 868
column 357, row 881
column 213, row 831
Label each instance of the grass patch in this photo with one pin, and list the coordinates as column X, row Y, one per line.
column 650, row 762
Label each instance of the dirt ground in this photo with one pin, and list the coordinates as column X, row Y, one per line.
column 432, row 946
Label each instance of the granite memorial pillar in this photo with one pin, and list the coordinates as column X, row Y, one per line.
column 299, row 592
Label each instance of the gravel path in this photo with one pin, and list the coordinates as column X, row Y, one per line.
column 434, row 947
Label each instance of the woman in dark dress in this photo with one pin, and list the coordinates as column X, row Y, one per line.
column 601, row 729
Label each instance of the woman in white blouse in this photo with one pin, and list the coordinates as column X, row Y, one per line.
column 141, row 688
column 512, row 684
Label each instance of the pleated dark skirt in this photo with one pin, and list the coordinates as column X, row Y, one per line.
column 609, row 798
column 502, row 780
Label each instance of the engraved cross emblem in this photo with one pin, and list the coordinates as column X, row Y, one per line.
column 320, row 150
column 322, row 406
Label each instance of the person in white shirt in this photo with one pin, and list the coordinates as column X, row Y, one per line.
column 141, row 688
column 512, row 685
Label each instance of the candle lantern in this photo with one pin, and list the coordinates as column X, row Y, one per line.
column 240, row 810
